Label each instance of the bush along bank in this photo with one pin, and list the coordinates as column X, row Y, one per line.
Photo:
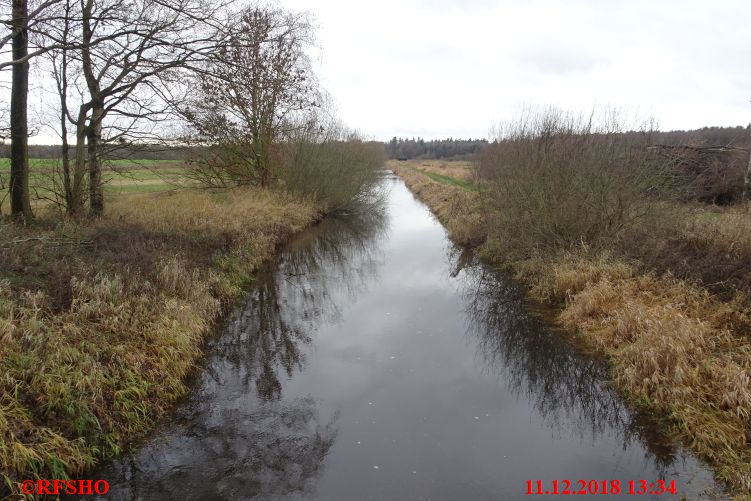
column 101, row 322
column 674, row 348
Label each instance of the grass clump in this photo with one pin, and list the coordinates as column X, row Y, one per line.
column 100, row 323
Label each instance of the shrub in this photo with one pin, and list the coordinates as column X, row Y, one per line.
column 568, row 180
column 333, row 165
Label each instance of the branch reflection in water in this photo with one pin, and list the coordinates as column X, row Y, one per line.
column 337, row 257
column 568, row 388
column 236, row 436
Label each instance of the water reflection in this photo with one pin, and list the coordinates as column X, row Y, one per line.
column 566, row 387
column 408, row 375
column 237, row 436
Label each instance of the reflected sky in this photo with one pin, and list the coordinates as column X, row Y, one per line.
column 374, row 360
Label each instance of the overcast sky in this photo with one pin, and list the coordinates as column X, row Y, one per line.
column 440, row 68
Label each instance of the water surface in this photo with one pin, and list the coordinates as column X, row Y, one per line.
column 376, row 361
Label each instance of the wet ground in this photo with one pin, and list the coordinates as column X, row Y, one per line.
column 375, row 360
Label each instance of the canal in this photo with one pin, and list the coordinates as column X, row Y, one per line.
column 374, row 360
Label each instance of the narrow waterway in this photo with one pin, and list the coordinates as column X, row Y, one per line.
column 376, row 361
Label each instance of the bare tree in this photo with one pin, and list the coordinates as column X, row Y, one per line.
column 21, row 20
column 120, row 67
column 59, row 61
column 133, row 56
column 19, row 151
column 251, row 91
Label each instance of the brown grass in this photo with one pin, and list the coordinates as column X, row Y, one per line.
column 458, row 169
column 101, row 323
column 675, row 348
column 710, row 245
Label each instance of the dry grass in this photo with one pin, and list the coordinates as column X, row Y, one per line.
column 100, row 324
column 458, row 169
column 675, row 348
column 457, row 208
column 708, row 244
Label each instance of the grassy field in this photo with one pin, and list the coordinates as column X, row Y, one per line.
column 675, row 323
column 120, row 177
column 49, row 163
column 455, row 170
column 456, row 173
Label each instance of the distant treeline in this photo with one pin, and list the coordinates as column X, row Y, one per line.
column 407, row 149
column 739, row 137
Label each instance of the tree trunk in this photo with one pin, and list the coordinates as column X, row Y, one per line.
column 79, row 167
column 747, row 180
column 62, row 88
column 19, row 133
column 65, row 151
column 94, row 127
column 94, row 139
column 67, row 185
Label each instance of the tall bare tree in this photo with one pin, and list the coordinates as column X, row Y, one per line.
column 21, row 19
column 251, row 91
column 59, row 61
column 20, row 204
column 120, row 67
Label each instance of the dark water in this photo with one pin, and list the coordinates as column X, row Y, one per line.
column 377, row 361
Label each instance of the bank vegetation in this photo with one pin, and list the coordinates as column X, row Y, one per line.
column 106, row 300
column 618, row 235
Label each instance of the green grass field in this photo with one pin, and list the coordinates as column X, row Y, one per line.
column 120, row 176
column 449, row 180
column 116, row 164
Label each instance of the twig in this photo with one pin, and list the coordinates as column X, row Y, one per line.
column 47, row 240
column 22, row 240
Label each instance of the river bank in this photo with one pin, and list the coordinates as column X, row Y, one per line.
column 674, row 348
column 100, row 323
column 374, row 359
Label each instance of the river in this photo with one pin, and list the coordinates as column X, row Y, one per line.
column 374, row 360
